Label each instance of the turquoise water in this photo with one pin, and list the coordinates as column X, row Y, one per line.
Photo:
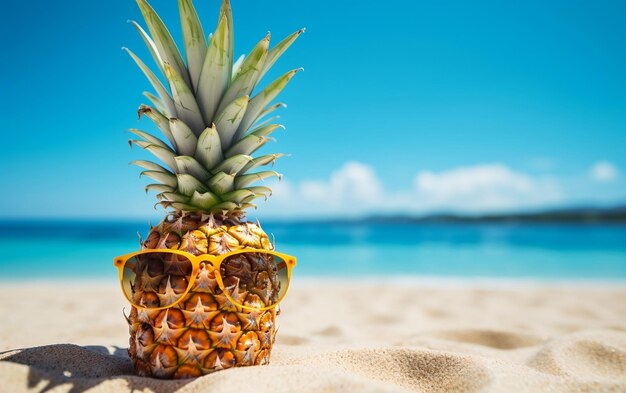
column 52, row 250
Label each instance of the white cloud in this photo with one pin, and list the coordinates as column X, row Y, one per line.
column 485, row 187
column 354, row 189
column 603, row 171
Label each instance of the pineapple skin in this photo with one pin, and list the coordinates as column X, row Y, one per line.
column 204, row 332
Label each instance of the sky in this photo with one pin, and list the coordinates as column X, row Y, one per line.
column 404, row 106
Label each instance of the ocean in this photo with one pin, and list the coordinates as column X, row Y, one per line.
column 80, row 249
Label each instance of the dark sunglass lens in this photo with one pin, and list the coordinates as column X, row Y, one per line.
column 156, row 279
column 255, row 279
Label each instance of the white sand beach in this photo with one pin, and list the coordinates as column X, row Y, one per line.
column 391, row 336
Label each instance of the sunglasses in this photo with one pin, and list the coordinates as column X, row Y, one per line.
column 249, row 278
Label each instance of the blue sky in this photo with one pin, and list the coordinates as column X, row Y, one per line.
column 404, row 106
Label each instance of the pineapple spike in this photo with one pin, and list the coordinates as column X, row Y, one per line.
column 266, row 130
column 156, row 101
column 160, row 120
column 166, row 178
column 148, row 137
column 248, row 74
column 149, row 165
column 195, row 43
column 172, row 197
column 208, row 151
column 229, row 119
column 150, row 44
column 188, row 164
column 156, row 83
column 222, row 183
column 278, row 50
column 158, row 188
column 260, row 161
column 225, row 207
column 237, row 196
column 184, row 207
column 247, row 145
column 216, row 71
column 204, row 200
column 163, row 153
column 269, row 109
column 186, row 140
column 187, row 184
column 227, row 13
column 237, row 66
column 260, row 190
column 242, row 181
column 265, row 122
column 260, row 101
column 184, row 100
column 163, row 41
column 234, row 164
column 125, row 317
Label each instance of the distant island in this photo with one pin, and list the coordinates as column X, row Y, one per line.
column 616, row 214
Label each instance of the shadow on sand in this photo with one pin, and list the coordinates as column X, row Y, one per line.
column 82, row 368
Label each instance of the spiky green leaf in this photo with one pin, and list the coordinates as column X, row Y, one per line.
column 184, row 100
column 260, row 101
column 266, row 129
column 229, row 119
column 166, row 178
column 163, row 41
column 247, row 145
column 248, row 74
column 187, row 184
column 173, row 197
column 226, row 207
column 269, row 109
column 185, row 207
column 160, row 120
column 260, row 190
column 278, row 50
column 234, row 164
column 164, row 154
column 243, row 181
column 149, row 138
column 156, row 83
column 187, row 164
column 215, row 72
column 186, row 140
column 157, row 102
column 208, row 151
column 151, row 46
column 260, row 161
column 221, row 183
column 237, row 66
column 159, row 188
column 204, row 200
column 149, row 165
column 195, row 43
column 227, row 13
column 237, row 196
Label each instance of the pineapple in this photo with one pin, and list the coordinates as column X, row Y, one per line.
column 212, row 124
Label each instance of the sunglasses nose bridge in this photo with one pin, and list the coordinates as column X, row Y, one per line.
column 206, row 259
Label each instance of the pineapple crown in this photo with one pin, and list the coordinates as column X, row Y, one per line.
column 208, row 113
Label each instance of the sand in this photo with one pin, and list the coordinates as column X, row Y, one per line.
column 392, row 336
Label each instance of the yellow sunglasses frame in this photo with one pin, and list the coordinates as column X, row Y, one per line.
column 195, row 260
